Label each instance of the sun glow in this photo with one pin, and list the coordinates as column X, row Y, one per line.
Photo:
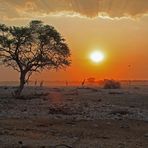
column 97, row 56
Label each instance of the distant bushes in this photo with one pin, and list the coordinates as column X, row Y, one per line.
column 111, row 84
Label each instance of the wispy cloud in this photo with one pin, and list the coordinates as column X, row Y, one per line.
column 12, row 9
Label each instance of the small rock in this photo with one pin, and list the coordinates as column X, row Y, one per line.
column 99, row 100
column 108, row 123
column 124, row 126
column 105, row 137
column 70, row 99
column 146, row 135
column 121, row 145
column 25, row 110
column 45, row 99
column 20, row 142
column 95, row 125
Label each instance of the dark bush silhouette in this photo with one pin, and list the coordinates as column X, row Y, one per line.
column 91, row 80
column 31, row 49
column 111, row 84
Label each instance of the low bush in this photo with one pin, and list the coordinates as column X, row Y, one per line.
column 111, row 84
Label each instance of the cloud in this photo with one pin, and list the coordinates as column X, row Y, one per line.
column 12, row 9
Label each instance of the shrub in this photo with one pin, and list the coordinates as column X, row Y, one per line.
column 111, row 84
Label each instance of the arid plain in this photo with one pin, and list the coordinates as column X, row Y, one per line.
column 74, row 117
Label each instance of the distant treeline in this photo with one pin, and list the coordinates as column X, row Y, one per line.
column 70, row 83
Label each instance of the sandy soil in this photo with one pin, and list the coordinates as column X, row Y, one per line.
column 74, row 117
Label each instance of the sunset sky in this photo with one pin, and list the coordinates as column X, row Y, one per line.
column 117, row 28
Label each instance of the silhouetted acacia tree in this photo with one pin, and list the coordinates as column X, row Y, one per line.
column 31, row 49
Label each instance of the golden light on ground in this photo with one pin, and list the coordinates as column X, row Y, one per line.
column 97, row 56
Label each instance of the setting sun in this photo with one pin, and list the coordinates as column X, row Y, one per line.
column 74, row 73
column 97, row 56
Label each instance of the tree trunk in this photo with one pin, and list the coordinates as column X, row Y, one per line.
column 21, row 85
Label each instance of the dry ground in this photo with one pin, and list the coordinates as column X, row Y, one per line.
column 74, row 117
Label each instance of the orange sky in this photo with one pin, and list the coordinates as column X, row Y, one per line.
column 119, row 29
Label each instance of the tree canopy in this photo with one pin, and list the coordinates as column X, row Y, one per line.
column 32, row 48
